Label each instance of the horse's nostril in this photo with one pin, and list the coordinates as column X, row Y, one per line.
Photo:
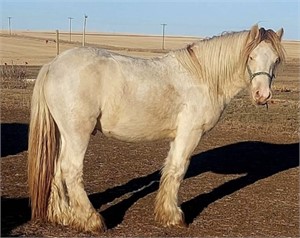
column 257, row 94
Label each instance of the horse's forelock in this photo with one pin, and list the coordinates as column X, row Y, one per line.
column 273, row 38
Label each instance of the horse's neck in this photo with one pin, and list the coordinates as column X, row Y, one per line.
column 232, row 88
column 221, row 66
column 226, row 88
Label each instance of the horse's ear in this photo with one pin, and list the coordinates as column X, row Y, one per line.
column 279, row 33
column 254, row 32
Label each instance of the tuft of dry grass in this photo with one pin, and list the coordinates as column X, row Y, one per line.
column 9, row 72
column 15, row 89
column 13, row 76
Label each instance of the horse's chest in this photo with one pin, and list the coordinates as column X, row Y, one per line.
column 212, row 117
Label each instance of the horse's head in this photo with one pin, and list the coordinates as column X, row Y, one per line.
column 264, row 54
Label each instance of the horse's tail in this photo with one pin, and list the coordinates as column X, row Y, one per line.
column 43, row 147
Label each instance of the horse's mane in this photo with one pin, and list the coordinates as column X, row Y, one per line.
column 219, row 58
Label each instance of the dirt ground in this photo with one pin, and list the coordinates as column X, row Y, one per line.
column 243, row 179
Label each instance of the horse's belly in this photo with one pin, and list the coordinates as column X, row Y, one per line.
column 138, row 129
column 141, row 112
column 134, row 137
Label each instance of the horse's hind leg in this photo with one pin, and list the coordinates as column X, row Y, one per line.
column 69, row 203
column 166, row 210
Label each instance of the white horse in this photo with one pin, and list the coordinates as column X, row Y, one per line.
column 178, row 96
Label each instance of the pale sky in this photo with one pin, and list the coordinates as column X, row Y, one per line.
column 200, row 18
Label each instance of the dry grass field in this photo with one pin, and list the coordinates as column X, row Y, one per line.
column 244, row 175
column 31, row 47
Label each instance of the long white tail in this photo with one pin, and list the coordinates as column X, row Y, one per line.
column 43, row 149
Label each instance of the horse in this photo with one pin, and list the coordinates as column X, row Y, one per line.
column 180, row 96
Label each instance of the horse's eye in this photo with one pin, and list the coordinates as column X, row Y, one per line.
column 250, row 57
column 277, row 61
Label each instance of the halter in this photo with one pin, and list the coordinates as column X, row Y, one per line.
column 252, row 76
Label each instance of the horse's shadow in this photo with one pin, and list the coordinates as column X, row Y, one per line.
column 13, row 138
column 257, row 160
column 14, row 212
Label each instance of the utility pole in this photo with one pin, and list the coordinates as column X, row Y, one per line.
column 163, row 35
column 70, row 27
column 9, row 25
column 84, row 25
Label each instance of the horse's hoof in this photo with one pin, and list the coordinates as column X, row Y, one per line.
column 171, row 220
column 179, row 224
column 182, row 224
column 95, row 224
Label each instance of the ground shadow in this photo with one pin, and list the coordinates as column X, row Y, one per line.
column 137, row 188
column 14, row 138
column 14, row 212
column 257, row 160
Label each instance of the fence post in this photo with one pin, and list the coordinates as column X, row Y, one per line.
column 57, row 42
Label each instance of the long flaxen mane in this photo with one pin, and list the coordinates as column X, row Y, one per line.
column 217, row 60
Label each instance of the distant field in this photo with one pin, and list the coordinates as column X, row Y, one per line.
column 31, row 47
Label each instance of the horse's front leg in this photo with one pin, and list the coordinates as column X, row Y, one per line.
column 166, row 210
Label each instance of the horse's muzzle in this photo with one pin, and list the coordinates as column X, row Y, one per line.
column 261, row 98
